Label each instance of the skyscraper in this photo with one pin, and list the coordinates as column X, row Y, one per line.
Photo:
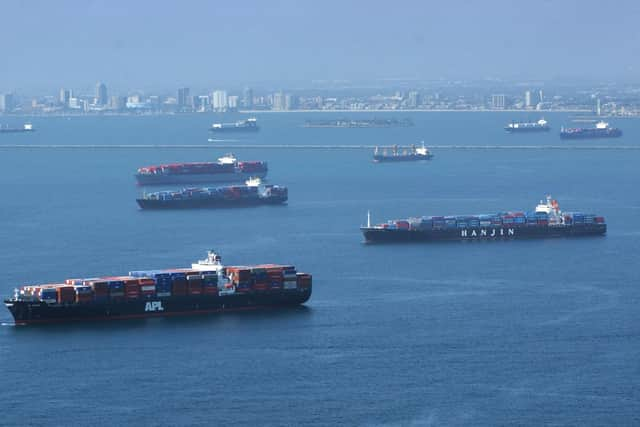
column 527, row 99
column 247, row 98
column 413, row 99
column 498, row 102
column 219, row 100
column 183, row 96
column 233, row 102
column 65, row 95
column 290, row 102
column 101, row 94
column 278, row 101
column 6, row 102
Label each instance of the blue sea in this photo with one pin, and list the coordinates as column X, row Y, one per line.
column 538, row 332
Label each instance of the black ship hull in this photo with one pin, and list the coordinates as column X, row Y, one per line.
column 210, row 203
column 527, row 129
column 26, row 312
column 235, row 129
column 6, row 130
column 401, row 158
column 381, row 235
column 592, row 134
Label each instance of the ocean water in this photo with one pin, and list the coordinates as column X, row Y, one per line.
column 540, row 332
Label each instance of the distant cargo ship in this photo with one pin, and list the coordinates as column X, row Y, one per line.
column 207, row 287
column 395, row 154
column 526, row 127
column 27, row 127
column 254, row 193
column 601, row 130
column 226, row 169
column 546, row 221
column 248, row 125
column 346, row 123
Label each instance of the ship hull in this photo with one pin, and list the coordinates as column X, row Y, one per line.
column 377, row 235
column 591, row 134
column 527, row 129
column 209, row 203
column 401, row 158
column 16, row 130
column 26, row 312
column 235, row 129
column 160, row 179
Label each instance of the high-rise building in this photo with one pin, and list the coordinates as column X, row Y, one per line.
column 598, row 110
column 6, row 103
column 183, row 98
column 247, row 98
column 413, row 100
column 233, row 102
column 118, row 103
column 219, row 100
column 527, row 99
column 540, row 96
column 202, row 103
column 278, row 101
column 65, row 95
column 101, row 94
column 498, row 102
column 290, row 102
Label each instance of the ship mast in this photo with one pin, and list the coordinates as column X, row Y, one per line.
column 368, row 219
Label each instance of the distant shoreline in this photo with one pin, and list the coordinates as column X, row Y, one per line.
column 416, row 111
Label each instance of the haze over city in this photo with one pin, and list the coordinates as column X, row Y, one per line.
column 149, row 45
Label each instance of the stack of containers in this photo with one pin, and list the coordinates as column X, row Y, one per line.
column 241, row 278
column 519, row 218
column 84, row 294
column 461, row 222
column 474, row 221
column 116, row 290
column 402, row 224
column 66, row 294
column 599, row 220
column 438, row 222
column 543, row 218
column 260, row 279
column 426, row 223
column 178, row 283
column 589, row 219
column 290, row 279
column 210, row 284
column 147, row 287
column 531, row 219
column 194, row 284
column 496, row 220
column 449, row 222
column 484, row 220
column 507, row 220
column 276, row 277
column 49, row 295
column 304, row 281
column 100, row 288
column 162, row 280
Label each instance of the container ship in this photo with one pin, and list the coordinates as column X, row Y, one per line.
column 207, row 287
column 248, row 125
column 253, row 193
column 528, row 127
column 601, row 130
column 546, row 221
column 346, row 123
column 27, row 127
column 395, row 154
column 226, row 169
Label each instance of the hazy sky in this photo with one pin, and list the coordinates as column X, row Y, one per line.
column 164, row 44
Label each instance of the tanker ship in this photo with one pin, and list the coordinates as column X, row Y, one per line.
column 207, row 287
column 395, row 154
column 248, row 125
column 601, row 130
column 528, row 127
column 226, row 169
column 546, row 221
column 254, row 193
column 27, row 127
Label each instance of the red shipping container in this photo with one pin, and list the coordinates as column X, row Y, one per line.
column 66, row 294
column 194, row 285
